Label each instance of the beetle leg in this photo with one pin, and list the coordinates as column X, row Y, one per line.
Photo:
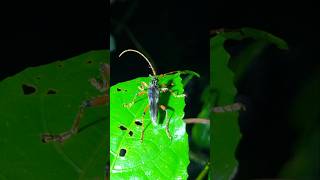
column 164, row 108
column 97, row 101
column 168, row 73
column 143, row 86
column 142, row 119
column 143, row 91
column 165, row 89
column 102, row 85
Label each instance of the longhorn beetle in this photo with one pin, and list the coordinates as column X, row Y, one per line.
column 102, row 86
column 153, row 92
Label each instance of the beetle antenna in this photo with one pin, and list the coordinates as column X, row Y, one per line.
column 132, row 50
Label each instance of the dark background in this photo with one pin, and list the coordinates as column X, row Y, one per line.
column 35, row 33
column 174, row 34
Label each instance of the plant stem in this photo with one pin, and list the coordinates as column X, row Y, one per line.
column 204, row 172
column 197, row 121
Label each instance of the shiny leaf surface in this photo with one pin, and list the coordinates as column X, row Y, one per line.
column 156, row 157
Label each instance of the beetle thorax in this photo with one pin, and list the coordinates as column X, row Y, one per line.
column 154, row 82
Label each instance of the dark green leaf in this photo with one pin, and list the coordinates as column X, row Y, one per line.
column 225, row 131
column 201, row 132
column 47, row 99
column 265, row 36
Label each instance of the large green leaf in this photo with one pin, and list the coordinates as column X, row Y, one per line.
column 201, row 132
column 224, row 126
column 262, row 39
column 156, row 157
column 46, row 99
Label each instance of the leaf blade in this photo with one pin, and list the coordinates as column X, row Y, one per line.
column 27, row 116
column 156, row 153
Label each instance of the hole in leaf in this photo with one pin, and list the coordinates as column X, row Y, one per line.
column 138, row 123
column 51, row 91
column 122, row 152
column 28, row 89
column 130, row 133
column 119, row 89
column 123, row 128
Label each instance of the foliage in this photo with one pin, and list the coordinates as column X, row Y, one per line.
column 156, row 156
column 47, row 99
column 224, row 126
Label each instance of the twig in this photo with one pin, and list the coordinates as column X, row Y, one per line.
column 197, row 121
column 204, row 172
column 229, row 108
column 213, row 32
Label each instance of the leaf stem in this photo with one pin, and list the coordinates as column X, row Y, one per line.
column 197, row 121
column 204, row 172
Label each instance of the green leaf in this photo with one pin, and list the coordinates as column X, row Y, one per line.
column 201, row 135
column 225, row 130
column 201, row 132
column 157, row 157
column 49, row 103
column 262, row 39
column 262, row 35
column 240, row 63
column 224, row 126
column 190, row 75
